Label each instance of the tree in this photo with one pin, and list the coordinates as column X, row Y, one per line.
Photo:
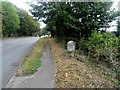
column 73, row 20
column 17, row 22
column 28, row 25
column 10, row 19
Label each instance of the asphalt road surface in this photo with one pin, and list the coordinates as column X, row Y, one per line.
column 43, row 78
column 13, row 53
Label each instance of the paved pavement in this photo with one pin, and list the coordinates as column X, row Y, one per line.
column 44, row 78
column 13, row 53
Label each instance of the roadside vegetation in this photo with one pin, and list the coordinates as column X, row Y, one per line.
column 33, row 61
column 80, row 72
column 96, row 59
column 17, row 22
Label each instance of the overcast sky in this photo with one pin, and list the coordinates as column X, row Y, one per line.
column 22, row 4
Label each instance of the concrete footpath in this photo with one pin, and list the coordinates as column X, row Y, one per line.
column 44, row 78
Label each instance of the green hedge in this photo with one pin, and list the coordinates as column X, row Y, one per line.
column 102, row 46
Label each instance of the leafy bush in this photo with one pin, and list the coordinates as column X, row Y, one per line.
column 119, row 48
column 103, row 46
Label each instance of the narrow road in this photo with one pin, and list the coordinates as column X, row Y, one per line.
column 44, row 78
column 13, row 53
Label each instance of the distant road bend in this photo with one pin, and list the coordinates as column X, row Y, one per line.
column 13, row 53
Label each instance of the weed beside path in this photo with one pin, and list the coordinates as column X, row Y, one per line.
column 32, row 61
column 71, row 73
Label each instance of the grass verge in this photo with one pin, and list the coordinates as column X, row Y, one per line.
column 32, row 61
column 73, row 73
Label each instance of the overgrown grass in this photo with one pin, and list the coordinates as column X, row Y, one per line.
column 32, row 61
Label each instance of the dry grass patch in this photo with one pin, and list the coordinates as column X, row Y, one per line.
column 32, row 61
column 71, row 73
